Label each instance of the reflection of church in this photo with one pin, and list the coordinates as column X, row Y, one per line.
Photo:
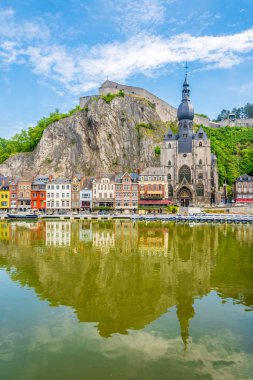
column 187, row 160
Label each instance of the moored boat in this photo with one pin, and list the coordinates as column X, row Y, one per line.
column 22, row 216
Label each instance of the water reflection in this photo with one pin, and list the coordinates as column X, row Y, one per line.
column 123, row 275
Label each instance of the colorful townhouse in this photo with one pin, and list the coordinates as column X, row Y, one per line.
column 103, row 189
column 24, row 194
column 58, row 195
column 126, row 192
column 4, row 194
column 38, row 193
column 13, row 188
column 154, row 190
column 86, row 195
column 76, row 185
column 243, row 189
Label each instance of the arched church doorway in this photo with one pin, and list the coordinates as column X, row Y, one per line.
column 184, row 197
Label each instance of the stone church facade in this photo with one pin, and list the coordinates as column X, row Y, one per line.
column 187, row 160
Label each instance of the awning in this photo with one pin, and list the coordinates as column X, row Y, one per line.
column 244, row 200
column 155, row 202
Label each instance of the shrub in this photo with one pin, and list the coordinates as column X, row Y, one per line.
column 157, row 150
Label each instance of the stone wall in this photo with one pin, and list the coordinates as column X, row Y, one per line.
column 236, row 123
column 85, row 99
column 164, row 110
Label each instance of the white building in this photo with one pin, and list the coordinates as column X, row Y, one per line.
column 86, row 194
column 58, row 195
column 103, row 190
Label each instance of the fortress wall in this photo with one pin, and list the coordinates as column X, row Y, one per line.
column 164, row 110
column 237, row 123
column 84, row 100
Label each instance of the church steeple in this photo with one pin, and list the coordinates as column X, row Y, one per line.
column 186, row 86
column 185, row 111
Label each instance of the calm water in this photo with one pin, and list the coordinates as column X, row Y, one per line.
column 107, row 300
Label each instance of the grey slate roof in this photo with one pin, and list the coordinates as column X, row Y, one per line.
column 244, row 177
column 153, row 171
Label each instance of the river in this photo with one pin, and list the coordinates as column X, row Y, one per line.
column 124, row 300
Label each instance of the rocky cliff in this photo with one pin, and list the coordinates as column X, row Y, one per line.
column 115, row 136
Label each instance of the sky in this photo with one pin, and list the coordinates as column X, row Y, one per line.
column 54, row 51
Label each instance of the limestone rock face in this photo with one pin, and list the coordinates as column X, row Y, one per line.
column 102, row 137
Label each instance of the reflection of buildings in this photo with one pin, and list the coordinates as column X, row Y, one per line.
column 4, row 231
column 58, row 233
column 103, row 238
column 85, row 232
column 147, row 269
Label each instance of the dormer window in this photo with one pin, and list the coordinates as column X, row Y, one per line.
column 170, row 136
column 185, row 135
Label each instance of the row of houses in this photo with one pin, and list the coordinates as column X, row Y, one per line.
column 123, row 192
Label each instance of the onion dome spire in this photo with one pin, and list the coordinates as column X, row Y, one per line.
column 185, row 110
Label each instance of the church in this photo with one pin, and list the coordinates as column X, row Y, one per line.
column 187, row 161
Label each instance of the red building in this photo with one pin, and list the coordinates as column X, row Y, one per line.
column 243, row 189
column 154, row 190
column 126, row 192
column 38, row 193
column 13, row 187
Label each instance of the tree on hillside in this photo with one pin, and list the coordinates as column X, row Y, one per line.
column 245, row 112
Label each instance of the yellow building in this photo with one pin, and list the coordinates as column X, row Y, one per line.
column 4, row 196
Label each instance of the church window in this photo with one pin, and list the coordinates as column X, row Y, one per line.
column 170, row 191
column 184, row 155
column 200, row 176
column 200, row 162
column 169, row 176
column 200, row 135
column 169, row 163
column 200, row 144
column 185, row 172
column 200, row 190
column 169, row 146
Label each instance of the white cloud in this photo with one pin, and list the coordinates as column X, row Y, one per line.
column 133, row 15
column 83, row 70
column 26, row 30
column 79, row 70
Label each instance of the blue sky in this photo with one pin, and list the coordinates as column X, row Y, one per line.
column 53, row 51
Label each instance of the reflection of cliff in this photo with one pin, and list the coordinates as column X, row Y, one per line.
column 145, row 271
